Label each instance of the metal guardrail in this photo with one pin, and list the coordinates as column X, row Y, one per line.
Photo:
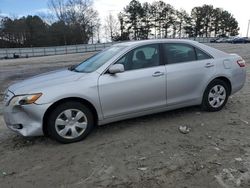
column 6, row 53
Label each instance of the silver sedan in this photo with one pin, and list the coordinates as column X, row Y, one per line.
column 124, row 81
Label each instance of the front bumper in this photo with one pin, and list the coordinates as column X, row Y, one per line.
column 26, row 120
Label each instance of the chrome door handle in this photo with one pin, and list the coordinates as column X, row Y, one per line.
column 208, row 65
column 158, row 73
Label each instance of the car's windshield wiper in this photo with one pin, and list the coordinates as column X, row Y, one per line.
column 73, row 68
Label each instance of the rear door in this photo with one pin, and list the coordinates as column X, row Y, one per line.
column 141, row 87
column 188, row 71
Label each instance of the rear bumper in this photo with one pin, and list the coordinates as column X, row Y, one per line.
column 25, row 120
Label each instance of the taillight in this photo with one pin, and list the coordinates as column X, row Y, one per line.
column 241, row 63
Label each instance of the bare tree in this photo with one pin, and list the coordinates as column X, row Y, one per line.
column 98, row 33
column 77, row 14
column 48, row 17
column 111, row 26
column 58, row 7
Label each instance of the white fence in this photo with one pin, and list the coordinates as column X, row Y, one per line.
column 59, row 50
column 55, row 50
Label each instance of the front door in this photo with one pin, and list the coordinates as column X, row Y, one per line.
column 141, row 87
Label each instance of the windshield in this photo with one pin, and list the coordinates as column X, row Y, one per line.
column 93, row 63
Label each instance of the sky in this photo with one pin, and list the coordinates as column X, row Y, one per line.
column 240, row 9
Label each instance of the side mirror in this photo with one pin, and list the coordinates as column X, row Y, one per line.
column 116, row 68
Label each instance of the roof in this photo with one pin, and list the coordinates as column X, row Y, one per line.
column 152, row 41
column 212, row 51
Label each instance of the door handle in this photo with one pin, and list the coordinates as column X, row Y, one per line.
column 208, row 65
column 158, row 73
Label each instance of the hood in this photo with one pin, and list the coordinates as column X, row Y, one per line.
column 45, row 80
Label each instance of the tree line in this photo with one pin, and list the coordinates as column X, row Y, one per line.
column 161, row 20
column 69, row 22
column 77, row 22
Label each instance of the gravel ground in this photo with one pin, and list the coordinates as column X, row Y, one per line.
column 143, row 152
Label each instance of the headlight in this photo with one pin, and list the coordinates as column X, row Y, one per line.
column 25, row 99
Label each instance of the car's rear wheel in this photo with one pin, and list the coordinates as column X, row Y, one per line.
column 215, row 96
column 70, row 122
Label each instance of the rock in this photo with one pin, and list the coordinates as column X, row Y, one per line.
column 217, row 149
column 142, row 158
column 184, row 129
column 238, row 159
column 208, row 136
column 215, row 162
column 233, row 122
column 8, row 174
column 243, row 170
column 246, row 122
column 142, row 168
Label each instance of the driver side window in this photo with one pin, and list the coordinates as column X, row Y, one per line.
column 141, row 57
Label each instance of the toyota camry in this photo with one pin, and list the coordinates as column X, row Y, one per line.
column 124, row 81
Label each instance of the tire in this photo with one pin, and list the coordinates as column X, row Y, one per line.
column 70, row 122
column 214, row 101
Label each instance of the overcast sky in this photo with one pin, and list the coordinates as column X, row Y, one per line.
column 240, row 8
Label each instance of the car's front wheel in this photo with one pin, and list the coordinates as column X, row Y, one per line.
column 70, row 122
column 215, row 96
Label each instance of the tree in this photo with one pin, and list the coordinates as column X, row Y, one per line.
column 146, row 25
column 35, row 31
column 58, row 7
column 79, row 15
column 168, row 20
column 207, row 15
column 182, row 20
column 217, row 21
column 207, row 21
column 197, row 21
column 123, row 35
column 229, row 25
column 158, row 10
column 163, row 18
column 59, row 33
column 111, row 27
column 25, row 31
column 77, row 22
column 133, row 13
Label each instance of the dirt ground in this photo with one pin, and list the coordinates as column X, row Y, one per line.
column 143, row 152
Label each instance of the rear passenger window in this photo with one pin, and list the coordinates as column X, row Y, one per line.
column 202, row 55
column 178, row 53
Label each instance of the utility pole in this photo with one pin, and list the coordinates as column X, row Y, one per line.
column 248, row 27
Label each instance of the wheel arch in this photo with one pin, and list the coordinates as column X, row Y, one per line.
column 204, row 102
column 226, row 80
column 223, row 78
column 74, row 99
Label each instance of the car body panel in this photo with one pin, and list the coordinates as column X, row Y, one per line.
column 132, row 91
column 188, row 78
column 29, row 116
column 44, row 80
